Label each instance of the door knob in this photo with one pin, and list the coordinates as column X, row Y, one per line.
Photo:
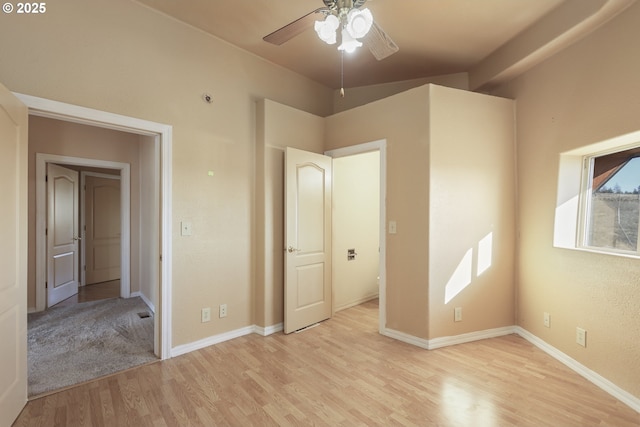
column 77, row 238
column 291, row 249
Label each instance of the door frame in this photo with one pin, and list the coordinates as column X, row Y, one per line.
column 162, row 135
column 83, row 223
column 381, row 146
column 41, row 216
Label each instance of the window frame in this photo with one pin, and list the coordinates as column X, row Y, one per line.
column 585, row 199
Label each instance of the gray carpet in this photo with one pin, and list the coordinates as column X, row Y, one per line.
column 72, row 344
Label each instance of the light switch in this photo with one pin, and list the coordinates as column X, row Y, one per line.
column 185, row 228
column 392, row 227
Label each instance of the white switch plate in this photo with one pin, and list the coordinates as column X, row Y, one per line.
column 393, row 227
column 457, row 314
column 205, row 315
column 581, row 337
column 185, row 228
column 223, row 310
column 547, row 320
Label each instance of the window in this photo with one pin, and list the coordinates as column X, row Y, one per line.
column 611, row 202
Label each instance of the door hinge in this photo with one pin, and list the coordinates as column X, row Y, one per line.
column 46, row 285
column 46, row 178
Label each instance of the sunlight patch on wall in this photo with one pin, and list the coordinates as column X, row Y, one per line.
column 463, row 274
column 485, row 253
column 461, row 277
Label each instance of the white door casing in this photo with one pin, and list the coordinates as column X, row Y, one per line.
column 13, row 256
column 162, row 135
column 102, row 230
column 62, row 233
column 307, row 287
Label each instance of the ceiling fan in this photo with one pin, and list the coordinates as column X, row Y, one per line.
column 343, row 17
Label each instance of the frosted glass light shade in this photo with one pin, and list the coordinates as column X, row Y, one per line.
column 359, row 22
column 349, row 44
column 327, row 29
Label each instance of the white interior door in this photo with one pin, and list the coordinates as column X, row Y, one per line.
column 62, row 233
column 13, row 256
column 307, row 283
column 102, row 234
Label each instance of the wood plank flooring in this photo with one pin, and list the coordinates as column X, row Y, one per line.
column 341, row 373
column 93, row 292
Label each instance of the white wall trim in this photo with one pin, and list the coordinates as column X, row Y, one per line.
column 597, row 379
column 470, row 337
column 41, row 219
column 447, row 341
column 163, row 135
column 226, row 336
column 358, row 302
column 406, row 338
column 268, row 330
column 209, row 341
column 381, row 146
column 145, row 299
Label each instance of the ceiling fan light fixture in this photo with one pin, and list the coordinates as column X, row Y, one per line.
column 327, row 29
column 349, row 44
column 359, row 22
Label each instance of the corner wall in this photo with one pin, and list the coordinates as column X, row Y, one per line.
column 588, row 93
column 472, row 212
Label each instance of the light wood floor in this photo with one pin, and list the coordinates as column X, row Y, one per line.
column 341, row 373
column 93, row 292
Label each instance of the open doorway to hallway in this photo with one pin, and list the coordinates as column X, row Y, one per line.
column 95, row 151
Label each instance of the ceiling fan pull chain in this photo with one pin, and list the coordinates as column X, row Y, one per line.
column 342, row 74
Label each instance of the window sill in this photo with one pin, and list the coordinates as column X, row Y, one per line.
column 601, row 252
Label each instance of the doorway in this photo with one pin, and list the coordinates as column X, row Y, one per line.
column 41, row 262
column 361, row 149
column 160, row 136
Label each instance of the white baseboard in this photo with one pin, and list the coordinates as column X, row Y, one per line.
column 268, row 330
column 409, row 339
column 358, row 302
column 145, row 299
column 625, row 397
column 217, row 339
column 447, row 341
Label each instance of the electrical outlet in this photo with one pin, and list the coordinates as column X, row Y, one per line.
column 205, row 315
column 457, row 314
column 223, row 310
column 547, row 320
column 185, row 228
column 581, row 337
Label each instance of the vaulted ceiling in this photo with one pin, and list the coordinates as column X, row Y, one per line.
column 435, row 37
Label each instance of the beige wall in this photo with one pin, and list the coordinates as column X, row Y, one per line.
column 583, row 95
column 426, row 130
column 472, row 212
column 355, row 225
column 122, row 57
column 69, row 139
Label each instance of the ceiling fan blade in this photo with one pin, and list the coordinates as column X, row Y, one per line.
column 294, row 28
column 379, row 43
